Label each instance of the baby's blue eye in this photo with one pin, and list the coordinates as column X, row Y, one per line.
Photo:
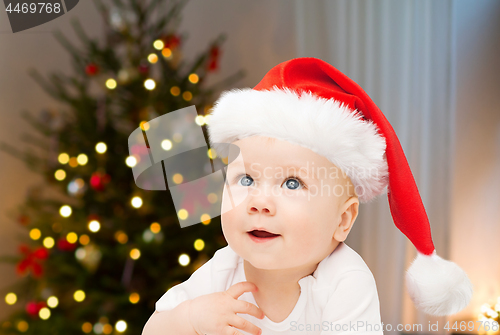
column 293, row 183
column 244, row 180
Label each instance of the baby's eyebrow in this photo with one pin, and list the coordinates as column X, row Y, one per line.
column 285, row 167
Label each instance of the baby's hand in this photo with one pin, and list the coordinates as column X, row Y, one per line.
column 215, row 313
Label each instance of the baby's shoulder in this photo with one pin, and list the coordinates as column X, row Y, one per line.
column 342, row 263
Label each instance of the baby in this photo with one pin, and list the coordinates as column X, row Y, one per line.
column 312, row 146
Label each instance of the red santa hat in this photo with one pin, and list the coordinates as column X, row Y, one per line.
column 308, row 102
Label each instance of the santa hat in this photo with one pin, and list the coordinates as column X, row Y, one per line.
column 308, row 102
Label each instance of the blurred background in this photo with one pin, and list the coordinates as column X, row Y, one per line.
column 431, row 66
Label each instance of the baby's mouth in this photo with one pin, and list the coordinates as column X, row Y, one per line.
column 262, row 233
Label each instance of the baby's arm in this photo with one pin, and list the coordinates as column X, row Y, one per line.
column 213, row 313
column 354, row 307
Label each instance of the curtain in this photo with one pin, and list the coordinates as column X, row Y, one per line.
column 400, row 53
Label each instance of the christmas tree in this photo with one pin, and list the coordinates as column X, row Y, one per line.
column 97, row 257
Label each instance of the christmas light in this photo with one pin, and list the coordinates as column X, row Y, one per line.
column 135, row 253
column 158, row 44
column 155, row 227
column 121, row 237
column 65, row 211
column 175, row 91
column 148, row 235
column 48, row 242
column 121, row 326
column 167, row 53
column 205, row 219
column 82, row 159
column 35, row 234
column 76, row 186
column 63, row 158
column 94, row 226
column 73, row 162
column 484, row 308
column 87, row 327
column 101, row 147
column 177, row 137
column 177, row 178
column 152, row 58
column 60, row 174
column 80, row 253
column 131, row 161
column 199, row 120
column 207, row 109
column 149, row 84
column 211, row 153
column 107, row 328
column 212, row 198
column 207, row 118
column 72, row 237
column 11, row 298
column 134, row 297
column 199, row 244
column 182, row 214
column 184, row 259
column 98, row 328
column 136, row 202
column 111, row 83
column 79, row 295
column 22, row 326
column 166, row 145
column 52, row 302
column 144, row 125
column 187, row 96
column 44, row 313
column 84, row 239
column 193, row 78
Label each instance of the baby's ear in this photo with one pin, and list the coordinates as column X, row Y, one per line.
column 348, row 214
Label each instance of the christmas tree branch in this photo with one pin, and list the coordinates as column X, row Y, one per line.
column 41, row 81
column 27, row 138
column 32, row 161
column 66, row 44
column 150, row 8
column 37, row 125
column 77, row 27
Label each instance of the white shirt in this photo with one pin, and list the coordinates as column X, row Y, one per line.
column 340, row 297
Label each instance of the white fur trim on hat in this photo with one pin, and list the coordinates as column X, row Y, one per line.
column 438, row 286
column 325, row 126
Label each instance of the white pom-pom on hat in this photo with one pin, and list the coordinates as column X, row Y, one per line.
column 437, row 286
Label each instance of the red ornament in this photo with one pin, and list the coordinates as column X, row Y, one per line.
column 91, row 69
column 31, row 260
column 64, row 245
column 171, row 41
column 98, row 180
column 32, row 307
column 213, row 61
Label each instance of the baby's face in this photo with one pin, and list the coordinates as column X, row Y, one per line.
column 294, row 194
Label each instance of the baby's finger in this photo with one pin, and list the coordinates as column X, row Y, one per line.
column 246, row 307
column 240, row 323
column 239, row 288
